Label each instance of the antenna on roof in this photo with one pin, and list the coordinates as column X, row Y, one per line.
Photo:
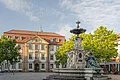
column 40, row 29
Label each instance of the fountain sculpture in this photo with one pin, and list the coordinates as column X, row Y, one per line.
column 79, row 66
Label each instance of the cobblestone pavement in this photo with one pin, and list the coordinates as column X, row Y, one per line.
column 114, row 77
column 23, row 76
column 35, row 76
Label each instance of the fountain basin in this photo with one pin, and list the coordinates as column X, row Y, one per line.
column 77, row 74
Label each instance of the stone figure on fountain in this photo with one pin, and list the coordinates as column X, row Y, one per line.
column 91, row 61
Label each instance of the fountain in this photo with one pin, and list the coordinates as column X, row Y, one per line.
column 80, row 66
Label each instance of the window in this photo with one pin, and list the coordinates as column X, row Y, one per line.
column 42, row 47
column 43, row 66
column 57, row 66
column 14, row 66
column 64, row 66
column 19, row 65
column 6, row 66
column 36, row 56
column 51, row 57
column 36, row 47
column 30, row 46
column 51, row 48
column 42, row 56
column 30, row 65
column 51, row 66
column 30, row 55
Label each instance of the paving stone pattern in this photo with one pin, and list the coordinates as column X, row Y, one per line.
column 23, row 76
column 35, row 76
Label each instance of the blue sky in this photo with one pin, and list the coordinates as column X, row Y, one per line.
column 59, row 15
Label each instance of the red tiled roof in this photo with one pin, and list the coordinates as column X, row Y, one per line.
column 33, row 33
column 118, row 35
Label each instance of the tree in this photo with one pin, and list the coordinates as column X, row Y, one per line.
column 9, row 50
column 101, row 43
column 1, row 59
column 60, row 54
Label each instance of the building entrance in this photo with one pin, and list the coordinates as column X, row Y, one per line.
column 36, row 67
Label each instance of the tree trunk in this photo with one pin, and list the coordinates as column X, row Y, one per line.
column 8, row 66
column 1, row 67
column 13, row 68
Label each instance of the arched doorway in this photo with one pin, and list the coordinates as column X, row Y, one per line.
column 36, row 67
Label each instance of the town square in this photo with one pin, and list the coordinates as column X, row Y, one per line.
column 59, row 40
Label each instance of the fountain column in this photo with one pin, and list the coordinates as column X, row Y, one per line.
column 77, row 54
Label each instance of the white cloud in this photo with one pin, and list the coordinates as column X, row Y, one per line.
column 95, row 12
column 65, row 30
column 91, row 13
column 29, row 8
column 21, row 6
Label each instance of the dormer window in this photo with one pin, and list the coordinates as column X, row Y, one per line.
column 57, row 39
column 60, row 40
column 20, row 38
column 9, row 36
column 23, row 38
column 13, row 37
column 51, row 40
column 6, row 36
column 16, row 37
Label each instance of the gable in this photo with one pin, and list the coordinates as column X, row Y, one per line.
column 37, row 40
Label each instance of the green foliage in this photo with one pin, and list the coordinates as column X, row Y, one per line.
column 8, row 50
column 101, row 43
column 61, row 55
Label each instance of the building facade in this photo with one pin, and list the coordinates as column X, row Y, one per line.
column 37, row 49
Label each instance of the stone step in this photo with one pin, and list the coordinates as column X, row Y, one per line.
column 63, row 77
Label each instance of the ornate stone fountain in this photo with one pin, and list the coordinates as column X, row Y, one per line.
column 79, row 65
column 76, row 57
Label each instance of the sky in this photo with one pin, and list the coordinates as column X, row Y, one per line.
column 59, row 16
